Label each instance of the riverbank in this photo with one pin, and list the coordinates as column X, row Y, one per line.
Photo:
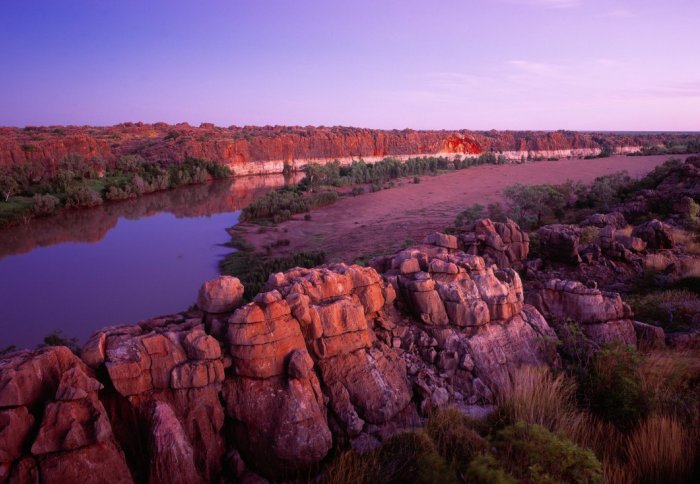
column 380, row 222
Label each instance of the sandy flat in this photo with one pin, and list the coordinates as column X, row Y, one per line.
column 378, row 223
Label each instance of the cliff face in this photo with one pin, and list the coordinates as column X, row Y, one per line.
column 254, row 150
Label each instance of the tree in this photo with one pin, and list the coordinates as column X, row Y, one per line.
column 534, row 201
column 8, row 186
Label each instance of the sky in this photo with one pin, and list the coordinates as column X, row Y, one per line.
column 432, row 64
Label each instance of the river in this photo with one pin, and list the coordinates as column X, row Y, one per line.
column 122, row 262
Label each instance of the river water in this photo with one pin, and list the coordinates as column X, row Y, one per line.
column 118, row 263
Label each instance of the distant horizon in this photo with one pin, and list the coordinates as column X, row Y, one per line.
column 516, row 65
column 259, row 126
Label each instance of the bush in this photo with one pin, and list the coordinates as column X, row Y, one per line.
column 45, row 204
column 412, row 457
column 254, row 270
column 613, row 388
column 357, row 191
column 455, row 436
column 82, row 196
column 56, row 338
column 469, row 215
column 485, row 469
column 673, row 309
column 534, row 454
column 416, row 179
column 589, row 235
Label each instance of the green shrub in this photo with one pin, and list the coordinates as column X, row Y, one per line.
column 45, row 204
column 455, row 436
column 673, row 309
column 82, row 195
column 485, row 469
column 534, row 454
column 56, row 338
column 470, row 215
column 412, row 457
column 254, row 269
column 612, row 389
column 357, row 191
column 416, row 179
column 589, row 235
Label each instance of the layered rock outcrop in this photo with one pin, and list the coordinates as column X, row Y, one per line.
column 602, row 316
column 260, row 150
column 323, row 358
column 503, row 244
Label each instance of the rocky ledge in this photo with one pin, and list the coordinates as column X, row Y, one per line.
column 326, row 358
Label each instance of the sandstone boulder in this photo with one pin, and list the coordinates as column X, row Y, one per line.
column 656, row 234
column 503, row 244
column 220, row 295
column 560, row 242
column 571, row 300
column 601, row 220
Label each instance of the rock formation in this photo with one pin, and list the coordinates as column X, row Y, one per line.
column 602, row 316
column 328, row 357
column 262, row 150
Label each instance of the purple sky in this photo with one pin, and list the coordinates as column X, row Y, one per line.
column 503, row 64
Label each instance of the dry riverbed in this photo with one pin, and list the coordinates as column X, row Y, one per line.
column 380, row 222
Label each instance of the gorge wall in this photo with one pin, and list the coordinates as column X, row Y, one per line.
column 264, row 150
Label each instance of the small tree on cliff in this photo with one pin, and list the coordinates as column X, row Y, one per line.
column 8, row 186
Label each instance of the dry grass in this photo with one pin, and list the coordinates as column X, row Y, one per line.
column 661, row 449
column 656, row 262
column 688, row 240
column 537, row 396
column 350, row 468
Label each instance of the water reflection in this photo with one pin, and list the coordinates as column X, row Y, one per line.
column 118, row 263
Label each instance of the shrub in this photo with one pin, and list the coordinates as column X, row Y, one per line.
column 416, row 179
column 82, row 196
column 469, row 215
column 56, row 338
column 8, row 186
column 673, row 309
column 45, row 204
column 455, row 436
column 412, row 457
column 129, row 164
column 589, row 235
column 357, row 191
column 613, row 388
column 485, row 469
column 254, row 270
column 533, row 453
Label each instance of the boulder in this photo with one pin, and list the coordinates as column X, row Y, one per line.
column 656, row 234
column 441, row 240
column 222, row 294
column 560, row 242
column 601, row 220
column 563, row 300
column 504, row 244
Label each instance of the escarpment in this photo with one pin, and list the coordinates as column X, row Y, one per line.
column 265, row 150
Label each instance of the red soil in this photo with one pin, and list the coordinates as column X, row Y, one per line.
column 378, row 223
